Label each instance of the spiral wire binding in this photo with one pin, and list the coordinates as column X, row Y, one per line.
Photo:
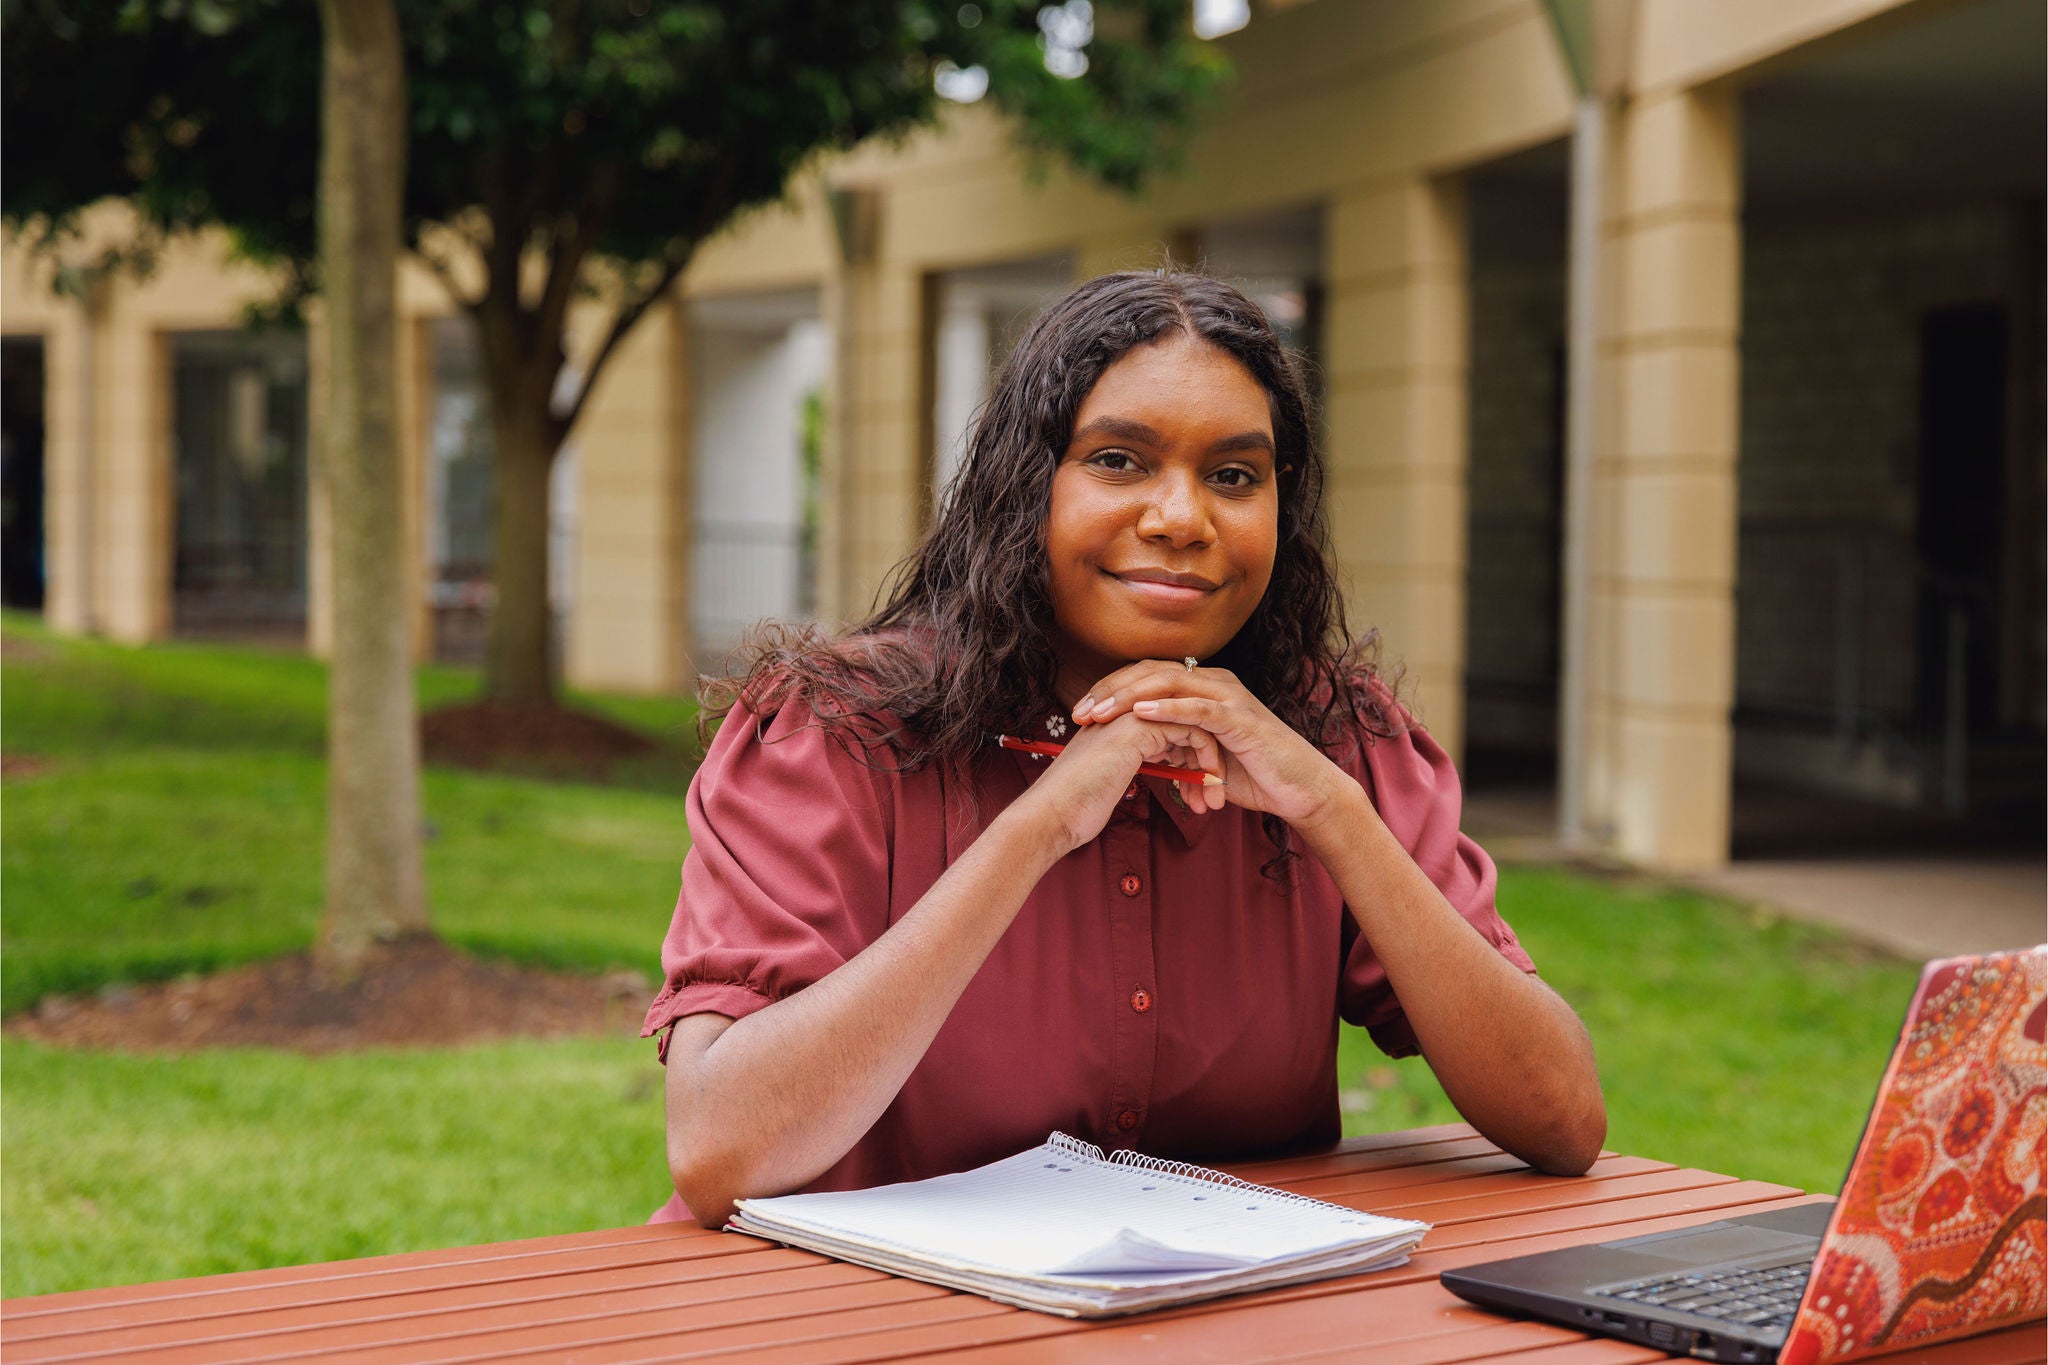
column 1187, row 1171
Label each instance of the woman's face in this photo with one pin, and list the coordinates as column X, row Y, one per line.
column 1165, row 511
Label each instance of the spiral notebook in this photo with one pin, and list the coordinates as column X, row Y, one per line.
column 1064, row 1229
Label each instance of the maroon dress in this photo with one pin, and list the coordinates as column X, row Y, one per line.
column 1155, row 991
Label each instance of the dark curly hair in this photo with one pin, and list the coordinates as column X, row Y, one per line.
column 961, row 648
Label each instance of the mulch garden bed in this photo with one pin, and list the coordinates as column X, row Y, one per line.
column 529, row 737
column 413, row 993
column 14, row 766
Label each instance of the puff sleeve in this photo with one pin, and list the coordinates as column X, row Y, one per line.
column 788, row 873
column 1414, row 787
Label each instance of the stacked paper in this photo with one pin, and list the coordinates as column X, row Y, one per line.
column 1062, row 1229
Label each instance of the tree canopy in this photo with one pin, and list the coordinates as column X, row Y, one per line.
column 605, row 139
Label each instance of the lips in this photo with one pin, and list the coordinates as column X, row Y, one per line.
column 1164, row 578
column 1164, row 594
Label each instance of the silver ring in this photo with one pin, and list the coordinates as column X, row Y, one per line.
column 1190, row 662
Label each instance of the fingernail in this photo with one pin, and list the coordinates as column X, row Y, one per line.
column 1147, row 707
column 1083, row 707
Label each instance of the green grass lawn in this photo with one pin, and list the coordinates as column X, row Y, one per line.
column 66, row 696
column 176, row 826
column 1726, row 1039
column 127, row 1167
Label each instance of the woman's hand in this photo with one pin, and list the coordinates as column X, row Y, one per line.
column 1082, row 787
column 1266, row 766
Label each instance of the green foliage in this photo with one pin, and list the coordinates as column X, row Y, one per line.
column 811, row 449
column 196, row 112
column 621, row 128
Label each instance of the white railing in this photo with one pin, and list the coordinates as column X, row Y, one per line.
column 745, row 572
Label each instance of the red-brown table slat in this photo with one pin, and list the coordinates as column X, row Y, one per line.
column 673, row 1239
column 634, row 1296
column 591, row 1295
column 537, row 1277
column 921, row 1342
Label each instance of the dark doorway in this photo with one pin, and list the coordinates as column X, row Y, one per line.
column 461, row 496
column 1962, row 459
column 1515, row 420
column 239, row 428
column 22, row 577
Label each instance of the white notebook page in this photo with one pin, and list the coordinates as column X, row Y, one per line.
column 1051, row 1211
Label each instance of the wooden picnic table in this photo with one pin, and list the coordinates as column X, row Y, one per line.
column 682, row 1292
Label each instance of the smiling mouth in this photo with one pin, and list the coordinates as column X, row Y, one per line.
column 1162, row 578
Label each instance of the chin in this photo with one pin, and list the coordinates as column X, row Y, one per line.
column 1169, row 644
column 1125, row 637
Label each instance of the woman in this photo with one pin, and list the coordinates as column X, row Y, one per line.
column 900, row 950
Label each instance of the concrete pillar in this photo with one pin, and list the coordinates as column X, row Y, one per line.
column 1395, row 348
column 874, row 467
column 1662, row 649
column 133, row 506
column 629, row 627
column 415, row 409
column 70, row 416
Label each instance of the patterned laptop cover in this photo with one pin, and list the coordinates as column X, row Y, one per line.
column 1939, row 1230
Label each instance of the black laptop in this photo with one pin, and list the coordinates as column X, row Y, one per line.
column 1736, row 1289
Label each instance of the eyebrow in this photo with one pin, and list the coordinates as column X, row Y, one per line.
column 1130, row 429
column 1245, row 440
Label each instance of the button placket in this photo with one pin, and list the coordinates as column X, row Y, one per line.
column 1135, row 1032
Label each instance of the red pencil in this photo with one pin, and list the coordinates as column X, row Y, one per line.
column 1051, row 750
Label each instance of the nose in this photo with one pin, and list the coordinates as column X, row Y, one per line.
column 1176, row 511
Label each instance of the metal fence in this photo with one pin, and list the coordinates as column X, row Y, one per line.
column 746, row 572
column 1840, row 626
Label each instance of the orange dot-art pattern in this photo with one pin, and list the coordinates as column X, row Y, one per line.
column 1939, row 1231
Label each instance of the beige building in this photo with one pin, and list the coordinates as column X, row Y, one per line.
column 1772, row 509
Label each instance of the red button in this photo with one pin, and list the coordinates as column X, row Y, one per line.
column 1141, row 1000
column 1127, row 1120
column 1130, row 884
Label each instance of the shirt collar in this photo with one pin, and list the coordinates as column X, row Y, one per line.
column 1191, row 826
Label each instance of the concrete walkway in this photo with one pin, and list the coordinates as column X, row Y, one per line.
column 1871, row 876
column 1916, row 907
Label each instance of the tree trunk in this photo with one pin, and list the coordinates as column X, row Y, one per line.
column 520, row 664
column 375, row 887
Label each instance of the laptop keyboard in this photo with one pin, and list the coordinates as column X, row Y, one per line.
column 1760, row 1297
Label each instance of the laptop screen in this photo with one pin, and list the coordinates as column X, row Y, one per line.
column 1939, row 1229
